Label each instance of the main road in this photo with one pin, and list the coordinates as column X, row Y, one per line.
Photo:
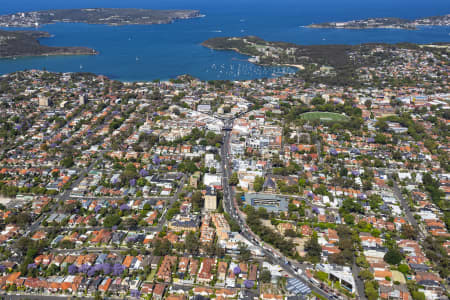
column 230, row 207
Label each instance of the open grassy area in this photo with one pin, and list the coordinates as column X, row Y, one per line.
column 151, row 276
column 324, row 116
column 397, row 276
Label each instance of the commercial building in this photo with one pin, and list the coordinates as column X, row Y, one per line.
column 271, row 202
column 341, row 274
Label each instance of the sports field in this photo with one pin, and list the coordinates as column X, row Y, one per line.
column 324, row 116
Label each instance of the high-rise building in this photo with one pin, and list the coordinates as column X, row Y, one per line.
column 83, row 99
column 210, row 199
column 44, row 101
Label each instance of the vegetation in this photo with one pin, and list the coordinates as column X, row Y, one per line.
column 324, row 117
column 267, row 234
column 393, row 256
column 313, row 249
column 25, row 43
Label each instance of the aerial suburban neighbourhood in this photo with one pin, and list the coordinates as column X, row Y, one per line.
column 304, row 186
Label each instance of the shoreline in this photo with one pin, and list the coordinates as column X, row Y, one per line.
column 98, row 16
column 49, row 54
column 357, row 28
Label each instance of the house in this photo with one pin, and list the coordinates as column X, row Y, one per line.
column 399, row 292
column 333, row 236
column 158, row 291
column 283, row 227
column 202, row 291
column 244, row 270
column 226, row 293
column 12, row 277
column 306, row 230
column 155, row 262
column 271, row 297
column 184, row 223
column 193, row 267
column 104, row 285
column 231, row 278
column 252, row 274
column 205, row 275
column 147, row 288
column 381, row 275
column 183, row 266
column 165, row 270
column 222, row 270
column 176, row 297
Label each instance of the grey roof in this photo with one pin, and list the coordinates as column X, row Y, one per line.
column 271, row 202
column 295, row 286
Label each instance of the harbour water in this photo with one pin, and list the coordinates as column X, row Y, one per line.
column 147, row 52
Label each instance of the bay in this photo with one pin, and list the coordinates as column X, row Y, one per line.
column 147, row 52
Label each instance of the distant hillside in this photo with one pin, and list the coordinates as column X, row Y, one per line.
column 330, row 64
column 388, row 22
column 282, row 53
column 108, row 16
column 25, row 43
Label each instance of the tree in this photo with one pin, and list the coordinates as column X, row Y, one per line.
column 244, row 253
column 191, row 243
column 408, row 232
column 263, row 213
column 92, row 222
column 416, row 295
column 161, row 247
column 111, row 220
column 131, row 223
column 20, row 219
column 129, row 173
column 403, row 268
column 393, row 257
column 380, row 138
column 370, row 291
column 66, row 244
column 290, row 233
column 234, row 179
column 258, row 183
column 197, row 200
column 265, row 276
column 366, row 275
column 313, row 248
column 67, row 162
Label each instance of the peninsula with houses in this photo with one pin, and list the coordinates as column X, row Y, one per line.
column 387, row 23
column 106, row 16
column 26, row 43
column 329, row 64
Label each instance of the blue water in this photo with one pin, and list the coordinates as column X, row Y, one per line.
column 146, row 52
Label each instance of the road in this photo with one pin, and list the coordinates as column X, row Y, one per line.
column 63, row 197
column 66, row 195
column 230, row 208
column 358, row 282
column 405, row 206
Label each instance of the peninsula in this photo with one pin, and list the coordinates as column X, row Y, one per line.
column 25, row 43
column 388, row 23
column 332, row 64
column 107, row 16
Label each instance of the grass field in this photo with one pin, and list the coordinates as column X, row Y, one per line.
column 324, row 117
